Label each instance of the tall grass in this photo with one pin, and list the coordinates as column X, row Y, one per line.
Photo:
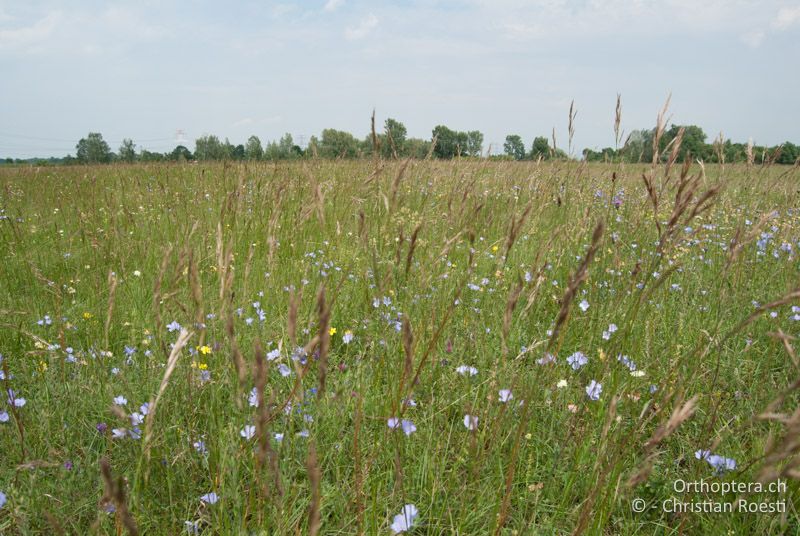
column 317, row 300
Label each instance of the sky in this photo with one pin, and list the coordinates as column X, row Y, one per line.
column 146, row 70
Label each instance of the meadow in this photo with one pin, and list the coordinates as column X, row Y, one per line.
column 378, row 346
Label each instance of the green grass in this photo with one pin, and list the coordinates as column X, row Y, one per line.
column 297, row 229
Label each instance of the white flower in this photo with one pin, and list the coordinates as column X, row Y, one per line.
column 561, row 384
column 584, row 305
column 248, row 432
column 120, row 401
column 137, row 273
column 505, row 395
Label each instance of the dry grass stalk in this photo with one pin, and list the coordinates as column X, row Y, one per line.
column 508, row 315
column 291, row 322
column 577, row 279
column 265, row 455
column 157, row 286
column 324, row 312
column 412, row 247
column 617, row 122
column 314, row 478
column 172, row 362
column 114, row 493
column 570, row 127
column 661, row 125
column 197, row 295
column 514, row 228
column 396, row 184
column 112, row 291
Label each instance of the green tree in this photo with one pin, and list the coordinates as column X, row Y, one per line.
column 693, row 144
column 180, row 154
column 446, row 142
column 540, row 148
column 208, row 148
column 474, row 143
column 514, row 147
column 93, row 149
column 127, row 151
column 394, row 139
column 253, row 150
column 338, row 144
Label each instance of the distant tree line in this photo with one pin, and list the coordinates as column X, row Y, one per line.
column 445, row 143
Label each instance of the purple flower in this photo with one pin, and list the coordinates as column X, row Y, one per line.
column 101, row 427
column 210, row 498
column 15, row 401
column 577, row 360
column 3, row 499
column 200, row 447
column 625, row 360
column 68, row 465
column 547, row 358
column 593, row 390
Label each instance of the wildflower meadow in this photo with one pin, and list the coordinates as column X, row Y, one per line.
column 386, row 346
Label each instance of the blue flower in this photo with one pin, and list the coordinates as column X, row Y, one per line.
column 3, row 499
column 505, row 395
column 14, row 400
column 408, row 427
column 173, row 326
column 470, row 422
column 577, row 360
column 593, row 390
column 248, row 432
column 210, row 498
column 405, row 520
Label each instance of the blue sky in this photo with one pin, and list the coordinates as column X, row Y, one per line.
column 148, row 68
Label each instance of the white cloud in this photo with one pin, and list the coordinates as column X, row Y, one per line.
column 786, row 18
column 363, row 29
column 333, row 5
column 753, row 38
column 243, row 122
column 28, row 37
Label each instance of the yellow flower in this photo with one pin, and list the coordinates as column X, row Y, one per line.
column 495, row 248
column 87, row 315
column 42, row 366
column 205, row 350
column 332, row 332
column 203, row 366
